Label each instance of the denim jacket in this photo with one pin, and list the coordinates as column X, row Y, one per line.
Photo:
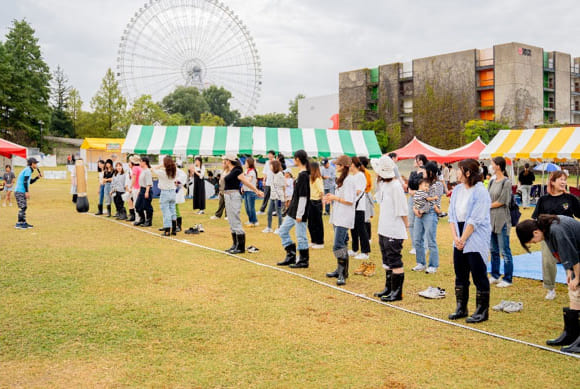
column 478, row 216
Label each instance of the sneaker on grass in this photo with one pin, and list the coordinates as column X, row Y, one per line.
column 412, row 251
column 277, row 231
column 501, row 305
column 513, row 307
column 362, row 256
column 419, row 267
column 493, row 280
column 317, row 246
column 431, row 270
column 214, row 217
column 351, row 253
column 551, row 295
column 503, row 284
column 267, row 230
column 433, row 293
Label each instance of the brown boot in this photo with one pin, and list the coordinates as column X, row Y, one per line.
column 370, row 270
column 361, row 269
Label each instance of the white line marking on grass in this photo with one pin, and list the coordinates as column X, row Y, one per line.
column 359, row 295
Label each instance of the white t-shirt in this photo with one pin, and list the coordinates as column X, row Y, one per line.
column 164, row 183
column 289, row 188
column 360, row 182
column 394, row 206
column 252, row 177
column 267, row 172
column 461, row 204
column 342, row 215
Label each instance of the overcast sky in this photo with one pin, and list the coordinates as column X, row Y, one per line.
column 304, row 44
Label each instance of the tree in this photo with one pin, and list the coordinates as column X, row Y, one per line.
column 293, row 110
column 484, row 129
column 146, row 112
column 109, row 106
column 28, row 91
column 267, row 120
column 4, row 88
column 74, row 108
column 60, row 123
column 208, row 119
column 218, row 100
column 187, row 101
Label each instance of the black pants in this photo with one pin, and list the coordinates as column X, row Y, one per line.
column 143, row 205
column 465, row 263
column 221, row 206
column 266, row 199
column 391, row 252
column 368, row 227
column 359, row 233
column 22, row 206
column 315, row 226
column 119, row 203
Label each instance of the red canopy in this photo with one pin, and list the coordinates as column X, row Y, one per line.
column 8, row 149
column 411, row 149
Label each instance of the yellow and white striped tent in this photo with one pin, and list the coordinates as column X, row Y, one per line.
column 537, row 144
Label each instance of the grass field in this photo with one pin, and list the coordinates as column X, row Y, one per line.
column 85, row 302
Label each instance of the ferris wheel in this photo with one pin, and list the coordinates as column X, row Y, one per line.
column 170, row 43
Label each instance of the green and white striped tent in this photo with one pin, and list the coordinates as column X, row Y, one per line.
column 206, row 141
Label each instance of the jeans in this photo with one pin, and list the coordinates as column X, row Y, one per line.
column 101, row 194
column 266, row 200
column 107, row 194
column 411, row 218
column 167, row 205
column 233, row 200
column 525, row 189
column 501, row 242
column 250, row 203
column 339, row 246
column 301, row 236
column 275, row 205
column 426, row 227
column 327, row 206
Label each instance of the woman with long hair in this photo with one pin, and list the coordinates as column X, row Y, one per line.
column 360, row 233
column 118, row 190
column 415, row 178
column 315, row 226
column 108, row 173
column 556, row 202
column 143, row 205
column 500, row 191
column 197, row 171
column 249, row 194
column 233, row 199
column 426, row 223
column 342, row 216
column 561, row 235
column 167, row 174
column 526, row 179
column 277, row 186
column 297, row 215
column 101, row 191
column 470, row 228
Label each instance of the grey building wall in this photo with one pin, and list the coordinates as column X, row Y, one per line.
column 562, row 63
column 519, row 90
column 389, row 101
column 352, row 96
column 315, row 112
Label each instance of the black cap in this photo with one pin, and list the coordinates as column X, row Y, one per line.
column 324, row 161
column 31, row 161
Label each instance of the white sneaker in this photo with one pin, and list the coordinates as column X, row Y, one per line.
column 317, row 246
column 260, row 213
column 248, row 224
column 201, row 212
column 412, row 251
column 513, row 306
column 493, row 280
column 277, row 231
column 431, row 270
column 419, row 267
column 433, row 293
column 256, row 224
column 503, row 284
column 370, row 241
column 500, row 306
column 226, row 218
column 551, row 295
column 351, row 253
column 362, row 256
column 267, row 230
column 214, row 217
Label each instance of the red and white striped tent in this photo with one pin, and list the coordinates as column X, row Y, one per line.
column 9, row 149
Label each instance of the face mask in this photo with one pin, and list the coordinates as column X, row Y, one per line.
column 491, row 170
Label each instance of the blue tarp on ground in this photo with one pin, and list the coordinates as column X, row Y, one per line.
column 530, row 266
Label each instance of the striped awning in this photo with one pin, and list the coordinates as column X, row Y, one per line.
column 197, row 140
column 541, row 143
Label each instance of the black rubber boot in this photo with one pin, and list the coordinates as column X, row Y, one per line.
column 342, row 271
column 149, row 220
column 109, row 210
column 234, row 243
column 241, row 244
column 303, row 260
column 141, row 219
column 396, row 288
column 290, row 255
column 573, row 348
column 462, row 297
column 166, row 231
column 334, row 274
column 123, row 214
column 131, row 215
column 100, row 211
column 387, row 290
column 174, row 227
column 178, row 228
column 482, row 311
column 571, row 329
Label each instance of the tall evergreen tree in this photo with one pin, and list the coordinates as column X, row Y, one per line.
column 60, row 123
column 29, row 89
column 109, row 107
column 4, row 89
column 74, row 108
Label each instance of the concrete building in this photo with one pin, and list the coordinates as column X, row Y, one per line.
column 317, row 112
column 521, row 84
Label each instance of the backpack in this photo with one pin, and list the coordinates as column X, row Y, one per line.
column 513, row 207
